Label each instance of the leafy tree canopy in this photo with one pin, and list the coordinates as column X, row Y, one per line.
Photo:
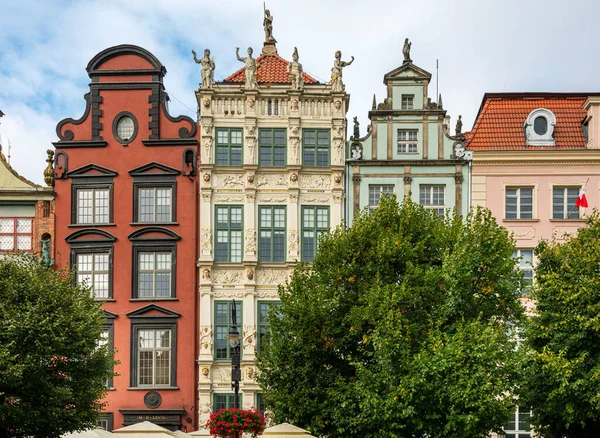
column 562, row 375
column 52, row 372
column 400, row 329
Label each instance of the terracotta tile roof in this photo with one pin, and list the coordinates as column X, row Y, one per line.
column 272, row 69
column 499, row 124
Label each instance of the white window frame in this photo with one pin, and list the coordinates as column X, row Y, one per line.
column 518, row 256
column 93, row 273
column 407, row 145
column 378, row 190
column 410, row 102
column 517, row 432
column 154, row 350
column 533, row 188
column 567, row 207
column 440, row 209
column 155, row 204
column 94, row 216
column 154, row 271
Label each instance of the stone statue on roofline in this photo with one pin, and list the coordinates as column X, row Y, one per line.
column 336, row 72
column 406, row 50
column 208, row 68
column 268, row 25
column 459, row 124
column 249, row 69
column 294, row 70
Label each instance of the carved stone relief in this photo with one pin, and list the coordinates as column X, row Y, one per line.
column 249, row 338
column 228, row 294
column 206, row 241
column 206, row 339
column 228, row 276
column 229, row 181
column 293, row 242
column 273, row 199
column 314, row 199
column 272, row 180
column 271, row 277
column 267, row 294
column 207, row 128
column 315, row 182
column 250, row 238
column 225, row 198
column 338, row 131
column 225, row 375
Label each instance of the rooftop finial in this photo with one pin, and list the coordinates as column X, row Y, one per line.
column 406, row 51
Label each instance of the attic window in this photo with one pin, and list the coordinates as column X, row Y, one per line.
column 539, row 128
column 125, row 127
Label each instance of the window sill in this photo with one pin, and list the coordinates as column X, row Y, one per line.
column 154, row 299
column 153, row 223
column 104, row 299
column 567, row 220
column 155, row 388
column 91, row 225
column 520, row 220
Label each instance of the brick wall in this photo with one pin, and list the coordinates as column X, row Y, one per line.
column 43, row 223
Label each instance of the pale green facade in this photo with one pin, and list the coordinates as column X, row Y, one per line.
column 408, row 150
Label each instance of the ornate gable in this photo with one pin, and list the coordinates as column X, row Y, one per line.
column 407, row 71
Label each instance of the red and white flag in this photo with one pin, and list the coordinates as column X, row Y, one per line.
column 581, row 199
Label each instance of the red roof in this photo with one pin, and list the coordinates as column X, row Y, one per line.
column 272, row 69
column 499, row 124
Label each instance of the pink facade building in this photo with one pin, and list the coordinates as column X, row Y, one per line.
column 532, row 155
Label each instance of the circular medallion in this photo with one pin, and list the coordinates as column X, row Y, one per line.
column 152, row 399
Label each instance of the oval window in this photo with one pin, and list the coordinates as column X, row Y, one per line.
column 540, row 125
column 125, row 128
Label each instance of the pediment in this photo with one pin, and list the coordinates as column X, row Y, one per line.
column 407, row 71
column 109, row 315
column 90, row 236
column 154, row 168
column 153, row 233
column 154, row 311
column 91, row 170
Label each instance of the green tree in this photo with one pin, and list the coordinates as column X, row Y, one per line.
column 52, row 372
column 562, row 375
column 400, row 329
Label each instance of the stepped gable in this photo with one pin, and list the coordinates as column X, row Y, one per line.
column 272, row 69
column 499, row 123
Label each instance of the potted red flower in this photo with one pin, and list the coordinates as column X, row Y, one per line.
column 232, row 423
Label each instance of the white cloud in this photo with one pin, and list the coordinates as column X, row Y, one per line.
column 482, row 46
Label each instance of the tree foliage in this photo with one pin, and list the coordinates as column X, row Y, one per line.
column 562, row 375
column 52, row 372
column 399, row 329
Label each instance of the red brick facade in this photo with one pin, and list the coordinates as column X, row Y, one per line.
column 126, row 221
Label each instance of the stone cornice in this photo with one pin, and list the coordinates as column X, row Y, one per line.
column 545, row 158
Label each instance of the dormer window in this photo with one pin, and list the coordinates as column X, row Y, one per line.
column 539, row 128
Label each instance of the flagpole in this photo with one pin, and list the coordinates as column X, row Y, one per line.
column 582, row 191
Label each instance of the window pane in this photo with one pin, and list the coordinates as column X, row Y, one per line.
column 24, row 226
column 125, row 128
column 7, row 225
column 24, row 242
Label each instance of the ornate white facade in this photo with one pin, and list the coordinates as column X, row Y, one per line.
column 276, row 104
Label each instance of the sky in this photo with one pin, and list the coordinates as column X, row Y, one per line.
column 482, row 46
